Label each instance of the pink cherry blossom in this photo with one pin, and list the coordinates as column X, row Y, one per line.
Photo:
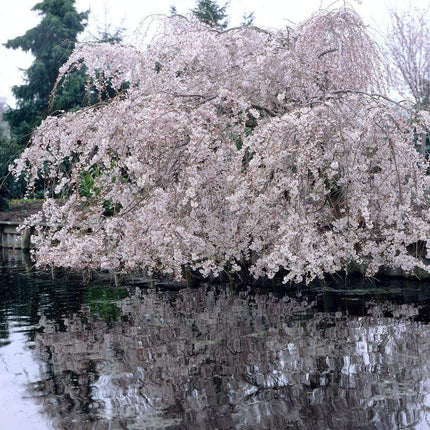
column 267, row 150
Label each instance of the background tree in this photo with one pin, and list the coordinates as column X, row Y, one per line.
column 9, row 187
column 9, row 150
column 247, row 19
column 210, row 13
column 409, row 46
column 4, row 126
column 51, row 43
column 106, row 32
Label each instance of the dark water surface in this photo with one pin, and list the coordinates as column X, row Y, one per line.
column 146, row 357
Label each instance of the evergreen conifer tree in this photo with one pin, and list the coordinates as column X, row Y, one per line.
column 247, row 19
column 210, row 13
column 51, row 43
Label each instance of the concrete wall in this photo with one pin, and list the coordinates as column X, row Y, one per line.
column 11, row 238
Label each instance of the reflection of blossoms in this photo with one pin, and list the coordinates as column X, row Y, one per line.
column 246, row 147
column 211, row 359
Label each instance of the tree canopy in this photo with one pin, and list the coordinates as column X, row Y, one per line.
column 211, row 14
column 277, row 152
column 51, row 42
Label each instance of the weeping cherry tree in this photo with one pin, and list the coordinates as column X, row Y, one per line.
column 277, row 152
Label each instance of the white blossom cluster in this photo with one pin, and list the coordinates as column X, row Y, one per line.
column 244, row 148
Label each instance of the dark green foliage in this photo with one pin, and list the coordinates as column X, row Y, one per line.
column 106, row 35
column 87, row 186
column 75, row 92
column 210, row 13
column 102, row 299
column 51, row 43
column 71, row 93
column 110, row 209
column 9, row 188
column 247, row 19
column 4, row 204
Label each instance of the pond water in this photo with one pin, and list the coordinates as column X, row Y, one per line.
column 353, row 356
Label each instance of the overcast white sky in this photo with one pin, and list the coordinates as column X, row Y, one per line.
column 16, row 18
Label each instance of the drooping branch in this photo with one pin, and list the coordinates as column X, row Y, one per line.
column 274, row 152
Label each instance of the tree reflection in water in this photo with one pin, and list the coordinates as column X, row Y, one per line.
column 210, row 358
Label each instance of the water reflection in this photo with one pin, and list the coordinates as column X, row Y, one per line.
column 213, row 358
